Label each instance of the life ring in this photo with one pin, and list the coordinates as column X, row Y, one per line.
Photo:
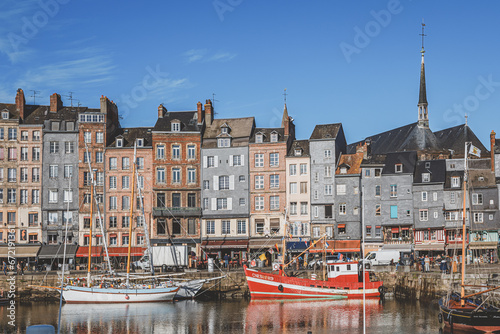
column 280, row 287
column 440, row 318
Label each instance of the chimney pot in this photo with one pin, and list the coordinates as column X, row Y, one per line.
column 55, row 102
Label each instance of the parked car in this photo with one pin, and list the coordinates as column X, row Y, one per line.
column 317, row 262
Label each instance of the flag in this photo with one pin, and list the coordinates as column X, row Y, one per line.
column 341, row 256
column 277, row 248
column 262, row 257
column 327, row 245
column 270, row 251
column 475, row 151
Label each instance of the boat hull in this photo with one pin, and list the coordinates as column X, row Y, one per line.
column 266, row 285
column 189, row 289
column 466, row 319
column 80, row 295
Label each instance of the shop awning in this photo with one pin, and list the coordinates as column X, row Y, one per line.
column 344, row 246
column 19, row 251
column 57, row 251
column 83, row 251
column 123, row 251
column 395, row 229
column 264, row 244
column 399, row 247
column 225, row 244
column 430, row 247
column 341, row 225
column 484, row 245
column 297, row 246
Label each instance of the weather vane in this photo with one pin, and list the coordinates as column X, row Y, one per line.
column 284, row 94
column 423, row 35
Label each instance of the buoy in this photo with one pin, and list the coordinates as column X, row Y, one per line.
column 127, row 297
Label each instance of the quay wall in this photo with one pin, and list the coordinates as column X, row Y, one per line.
column 402, row 284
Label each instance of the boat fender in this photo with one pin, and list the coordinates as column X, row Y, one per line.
column 127, row 297
column 381, row 289
column 440, row 318
column 280, row 287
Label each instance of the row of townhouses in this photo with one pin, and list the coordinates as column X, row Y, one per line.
column 228, row 186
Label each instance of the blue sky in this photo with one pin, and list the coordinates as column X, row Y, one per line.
column 355, row 62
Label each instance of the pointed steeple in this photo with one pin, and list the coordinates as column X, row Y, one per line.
column 423, row 116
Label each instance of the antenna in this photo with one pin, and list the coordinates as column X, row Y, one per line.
column 423, row 35
column 213, row 103
column 70, row 98
column 34, row 95
column 285, row 94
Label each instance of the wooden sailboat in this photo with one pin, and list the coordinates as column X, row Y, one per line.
column 106, row 292
column 468, row 312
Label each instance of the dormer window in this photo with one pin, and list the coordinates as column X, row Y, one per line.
column 298, row 152
column 399, row 168
column 223, row 142
column 5, row 115
column 224, row 131
column 259, row 138
column 176, row 126
column 343, row 170
column 140, row 142
column 427, row 165
column 274, row 137
column 426, row 177
column 119, row 142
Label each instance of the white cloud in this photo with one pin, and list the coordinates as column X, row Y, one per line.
column 202, row 55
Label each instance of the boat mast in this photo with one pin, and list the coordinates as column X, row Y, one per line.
column 130, row 219
column 462, row 294
column 91, row 218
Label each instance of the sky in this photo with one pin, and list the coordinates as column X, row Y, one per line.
column 354, row 62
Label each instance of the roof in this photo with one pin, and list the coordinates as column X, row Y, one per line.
column 325, row 131
column 267, row 134
column 376, row 159
column 239, row 127
column 454, row 138
column 188, row 121
column 482, row 178
column 435, row 168
column 406, row 159
column 352, row 162
column 497, row 146
column 131, row 134
column 299, row 144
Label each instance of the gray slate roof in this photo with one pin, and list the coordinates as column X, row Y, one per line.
column 326, row 131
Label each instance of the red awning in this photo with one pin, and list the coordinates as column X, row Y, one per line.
column 395, row 230
column 341, row 225
column 405, row 228
column 83, row 251
column 349, row 246
column 123, row 251
column 378, row 226
column 225, row 244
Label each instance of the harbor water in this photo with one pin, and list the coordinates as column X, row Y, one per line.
column 231, row 316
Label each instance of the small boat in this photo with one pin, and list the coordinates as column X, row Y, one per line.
column 189, row 288
column 345, row 280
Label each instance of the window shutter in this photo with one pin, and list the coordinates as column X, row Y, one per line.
column 205, row 161
column 214, row 204
column 230, row 160
column 243, row 160
column 1, row 153
column 231, row 182
column 216, row 182
column 229, row 203
column 216, row 161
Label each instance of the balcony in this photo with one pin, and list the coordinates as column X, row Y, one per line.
column 178, row 212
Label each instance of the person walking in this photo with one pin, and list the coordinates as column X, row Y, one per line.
column 5, row 268
column 226, row 261
column 422, row 263
column 427, row 263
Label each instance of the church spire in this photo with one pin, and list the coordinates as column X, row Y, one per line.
column 423, row 116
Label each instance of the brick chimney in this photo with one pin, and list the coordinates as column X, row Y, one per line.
column 200, row 113
column 209, row 114
column 20, row 102
column 55, row 102
column 161, row 111
column 492, row 149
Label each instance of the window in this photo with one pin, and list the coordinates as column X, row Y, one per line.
column 303, row 169
column 377, row 172
column 35, row 196
column 316, row 231
column 176, row 152
column 125, row 163
column 160, row 175
column 293, row 187
column 35, row 154
column 293, row 170
column 328, row 211
column 87, row 137
column 223, row 142
column 259, row 225
column 259, row 138
column 140, row 163
column 112, row 222
column 341, row 228
column 191, row 175
column 176, row 126
column 303, row 187
column 68, row 196
column 328, row 189
column 112, row 203
column 12, row 174
column 342, row 209
column 125, row 221
column 68, row 171
column 210, row 226
column 377, row 210
column 368, row 231
column 378, row 231
column 398, row 168
column 210, row 161
column 113, row 163
column 23, row 196
column 32, row 219
column 35, row 174
column 11, row 196
column 259, row 160
column 223, row 182
column 343, row 170
column 377, row 190
column 36, row 136
column 274, row 180
column 205, row 203
column 125, row 202
column 12, row 133
column 242, row 227
column 53, row 196
column 176, row 200
column 221, row 203
column 99, row 137
column 191, row 226
column 176, row 175
column 119, row 142
column 293, row 208
column 99, row 157
column 424, row 196
column 242, row 202
column 394, row 211
column 426, row 177
column 316, row 194
column 259, row 181
column 242, row 178
column 69, row 147
column 455, row 181
column 24, row 174
column 478, row 217
column 329, row 231
column 434, row 196
column 274, row 159
column 367, row 173
column 259, row 203
column 87, row 157
column 274, row 137
column 191, row 151
column 424, row 215
column 24, row 153
column 54, row 147
column 191, row 198
column 328, row 154
column 226, row 227
column 316, row 211
column 341, row 189
column 452, row 197
column 125, row 239
column 274, row 202
column 328, row 171
column 477, row 199
column 53, row 171
column 160, row 151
